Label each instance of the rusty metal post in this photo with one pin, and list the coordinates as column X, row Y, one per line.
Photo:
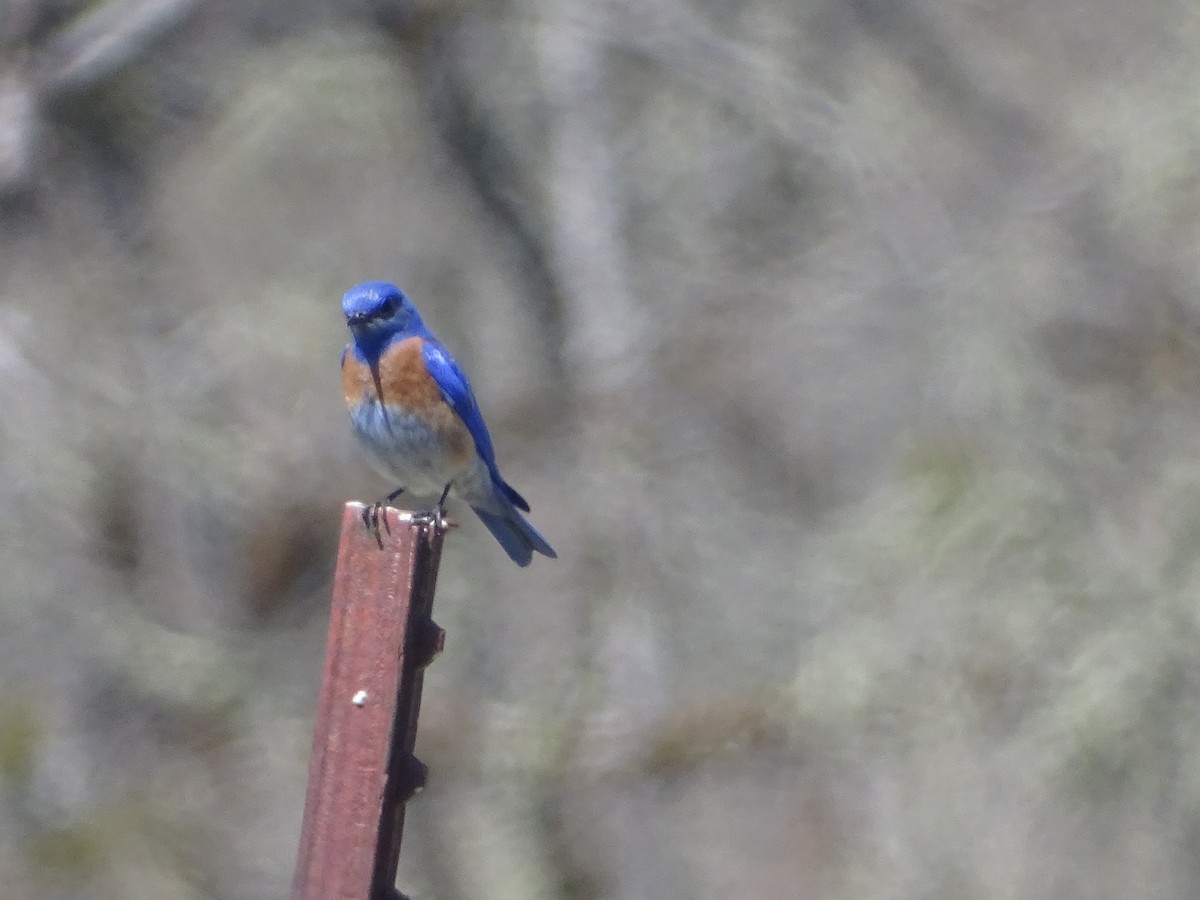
column 362, row 769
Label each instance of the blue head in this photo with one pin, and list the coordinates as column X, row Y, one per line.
column 376, row 312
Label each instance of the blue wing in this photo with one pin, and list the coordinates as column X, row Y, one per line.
column 457, row 391
column 455, row 388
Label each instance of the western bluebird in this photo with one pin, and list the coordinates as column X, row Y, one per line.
column 412, row 409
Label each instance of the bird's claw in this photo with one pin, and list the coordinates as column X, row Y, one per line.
column 376, row 513
column 436, row 518
column 373, row 516
column 370, row 519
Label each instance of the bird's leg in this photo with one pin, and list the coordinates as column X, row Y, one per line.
column 387, row 501
column 440, row 516
column 436, row 516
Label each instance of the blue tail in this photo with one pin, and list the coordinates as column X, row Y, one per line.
column 518, row 538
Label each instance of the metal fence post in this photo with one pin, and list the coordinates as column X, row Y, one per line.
column 362, row 769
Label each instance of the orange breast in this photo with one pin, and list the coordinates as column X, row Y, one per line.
column 403, row 383
column 403, row 380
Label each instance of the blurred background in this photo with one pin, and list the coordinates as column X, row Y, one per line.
column 848, row 352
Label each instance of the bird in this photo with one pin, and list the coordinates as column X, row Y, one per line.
column 413, row 411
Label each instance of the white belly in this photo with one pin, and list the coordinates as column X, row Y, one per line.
column 409, row 453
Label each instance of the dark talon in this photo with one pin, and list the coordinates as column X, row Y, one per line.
column 436, row 516
column 370, row 519
column 387, row 501
column 371, row 516
column 440, row 517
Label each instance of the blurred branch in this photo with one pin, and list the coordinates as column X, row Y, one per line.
column 93, row 45
column 620, row 745
column 103, row 39
column 17, row 19
column 18, row 129
column 771, row 94
column 607, row 340
column 496, row 175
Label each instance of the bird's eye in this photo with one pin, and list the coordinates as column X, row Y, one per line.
column 388, row 307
